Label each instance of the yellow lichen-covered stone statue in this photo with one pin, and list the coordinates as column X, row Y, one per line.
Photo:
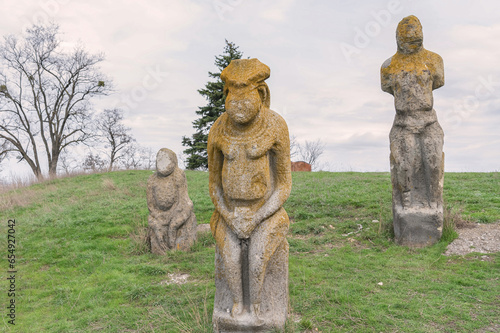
column 250, row 179
column 416, row 138
column 171, row 221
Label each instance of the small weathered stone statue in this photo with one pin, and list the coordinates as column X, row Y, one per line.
column 416, row 138
column 171, row 222
column 250, row 179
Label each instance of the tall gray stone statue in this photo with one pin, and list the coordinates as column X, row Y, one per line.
column 171, row 221
column 416, row 138
column 249, row 181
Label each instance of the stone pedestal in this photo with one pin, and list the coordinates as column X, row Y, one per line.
column 417, row 227
column 274, row 307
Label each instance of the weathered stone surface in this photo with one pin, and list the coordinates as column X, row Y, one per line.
column 250, row 179
column 301, row 166
column 202, row 228
column 171, row 221
column 416, row 138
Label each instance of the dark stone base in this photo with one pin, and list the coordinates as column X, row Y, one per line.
column 274, row 306
column 417, row 227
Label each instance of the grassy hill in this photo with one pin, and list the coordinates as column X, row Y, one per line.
column 82, row 265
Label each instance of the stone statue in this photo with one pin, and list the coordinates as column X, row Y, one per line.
column 171, row 222
column 249, row 181
column 416, row 138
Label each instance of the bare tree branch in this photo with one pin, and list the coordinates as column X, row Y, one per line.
column 294, row 147
column 5, row 148
column 45, row 95
column 93, row 163
column 117, row 136
column 311, row 151
column 137, row 157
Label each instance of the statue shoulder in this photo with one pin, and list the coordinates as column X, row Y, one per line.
column 386, row 64
column 276, row 119
column 434, row 57
column 277, row 122
column 435, row 63
column 180, row 176
column 217, row 127
column 152, row 179
column 385, row 74
column 278, row 126
column 220, row 121
column 434, row 60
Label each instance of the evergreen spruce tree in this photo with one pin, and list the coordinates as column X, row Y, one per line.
column 213, row 92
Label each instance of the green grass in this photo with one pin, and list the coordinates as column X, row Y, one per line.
column 82, row 265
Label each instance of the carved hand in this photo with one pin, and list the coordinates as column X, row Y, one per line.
column 172, row 235
column 243, row 223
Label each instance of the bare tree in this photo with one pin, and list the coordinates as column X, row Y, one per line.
column 94, row 163
column 115, row 133
column 294, row 146
column 311, row 151
column 138, row 157
column 148, row 158
column 68, row 163
column 131, row 158
column 5, row 148
column 45, row 95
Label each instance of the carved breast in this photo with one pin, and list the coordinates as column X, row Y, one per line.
column 165, row 193
column 246, row 171
column 413, row 90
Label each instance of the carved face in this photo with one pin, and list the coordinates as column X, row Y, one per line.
column 409, row 35
column 166, row 162
column 243, row 104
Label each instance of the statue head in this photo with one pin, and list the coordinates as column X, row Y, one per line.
column 245, row 89
column 409, row 35
column 166, row 162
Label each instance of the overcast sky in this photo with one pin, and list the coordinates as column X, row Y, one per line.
column 325, row 59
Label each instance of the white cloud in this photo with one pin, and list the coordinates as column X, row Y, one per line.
column 276, row 10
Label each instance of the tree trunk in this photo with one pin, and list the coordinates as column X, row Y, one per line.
column 53, row 165
column 38, row 173
column 35, row 167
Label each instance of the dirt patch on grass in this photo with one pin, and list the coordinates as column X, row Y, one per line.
column 175, row 279
column 475, row 237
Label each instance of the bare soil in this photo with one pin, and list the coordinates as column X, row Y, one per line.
column 475, row 237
